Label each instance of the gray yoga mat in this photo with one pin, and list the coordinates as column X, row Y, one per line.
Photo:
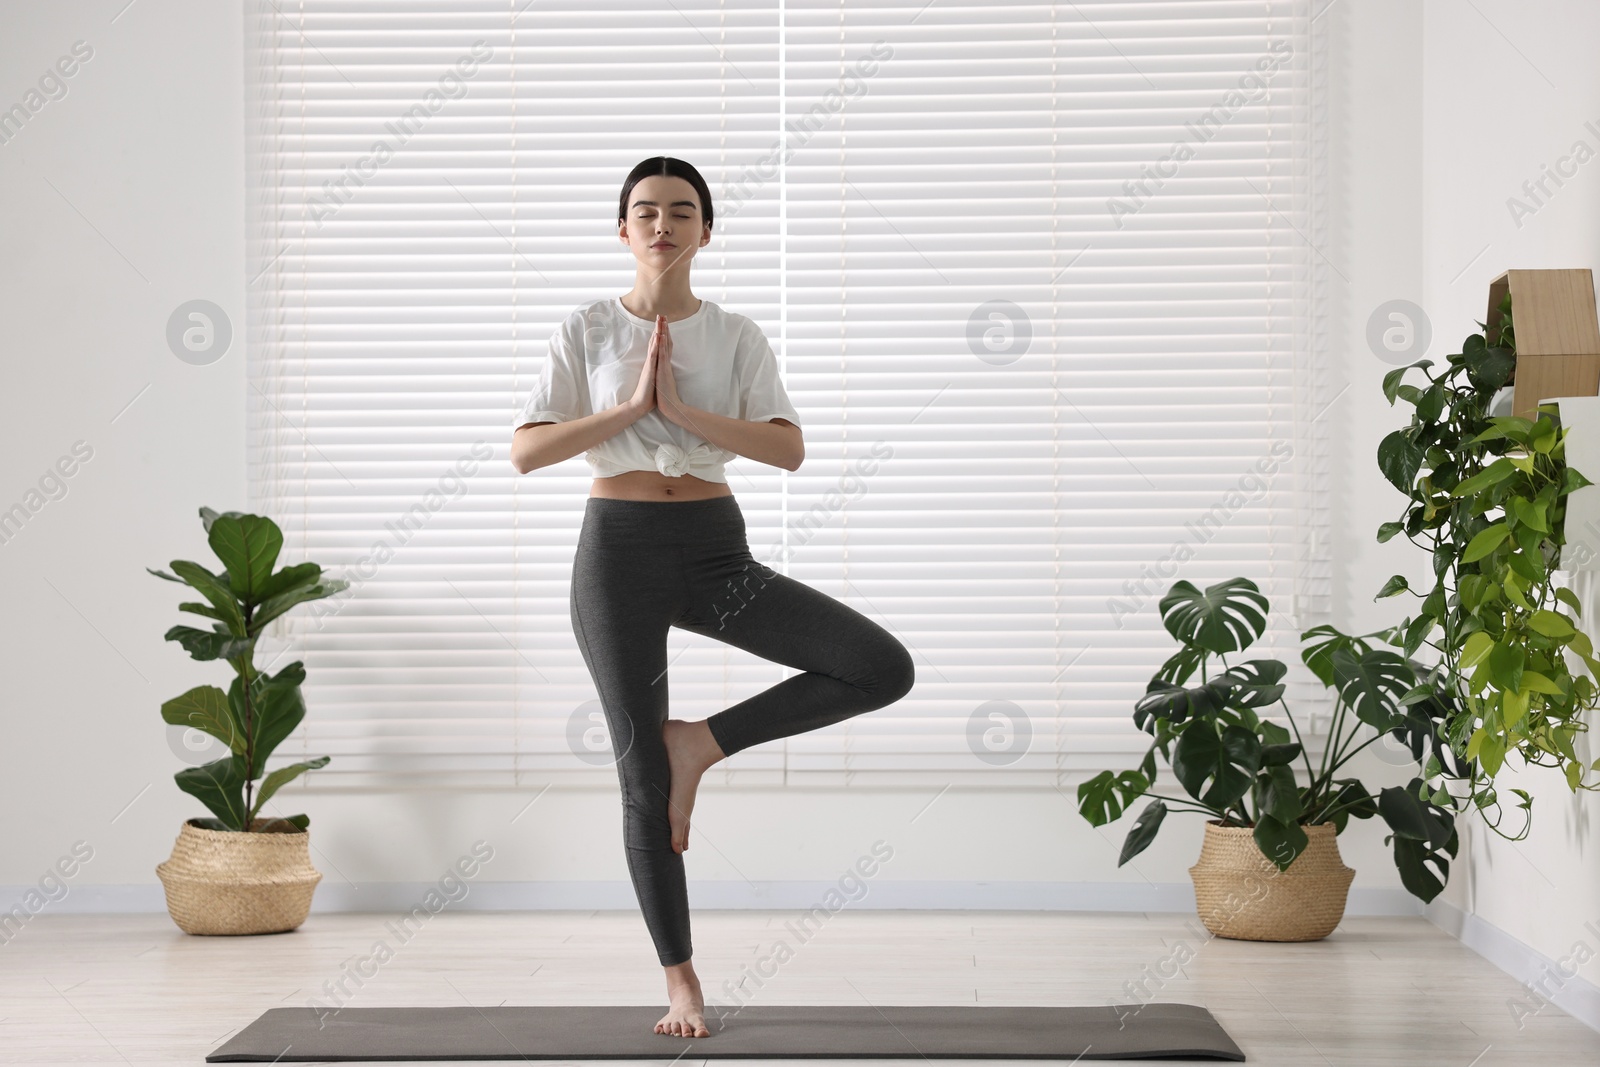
column 960, row 1031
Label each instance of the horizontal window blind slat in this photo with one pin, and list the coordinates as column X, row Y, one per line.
column 1042, row 282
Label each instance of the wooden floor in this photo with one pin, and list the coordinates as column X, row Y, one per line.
column 134, row 989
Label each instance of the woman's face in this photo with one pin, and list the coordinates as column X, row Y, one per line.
column 664, row 208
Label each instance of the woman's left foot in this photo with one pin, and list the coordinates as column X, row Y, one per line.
column 690, row 751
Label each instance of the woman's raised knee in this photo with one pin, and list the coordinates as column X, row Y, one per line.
column 893, row 673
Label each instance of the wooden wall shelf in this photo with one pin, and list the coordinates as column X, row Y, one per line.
column 1556, row 333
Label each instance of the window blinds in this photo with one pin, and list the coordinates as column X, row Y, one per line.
column 1041, row 278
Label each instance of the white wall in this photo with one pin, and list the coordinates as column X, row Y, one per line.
column 1508, row 92
column 124, row 199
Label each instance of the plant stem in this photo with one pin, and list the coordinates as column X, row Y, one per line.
column 1324, row 771
column 1311, row 775
column 1189, row 805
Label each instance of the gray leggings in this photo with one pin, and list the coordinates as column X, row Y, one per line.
column 643, row 566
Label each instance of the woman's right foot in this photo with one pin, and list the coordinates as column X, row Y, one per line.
column 690, row 751
column 687, row 1015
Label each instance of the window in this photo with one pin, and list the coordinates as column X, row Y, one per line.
column 1042, row 280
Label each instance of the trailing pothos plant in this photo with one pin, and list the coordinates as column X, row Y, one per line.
column 258, row 710
column 1486, row 498
column 1243, row 769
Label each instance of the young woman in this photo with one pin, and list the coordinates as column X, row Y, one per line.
column 663, row 543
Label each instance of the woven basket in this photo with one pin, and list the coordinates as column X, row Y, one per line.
column 1241, row 894
column 228, row 882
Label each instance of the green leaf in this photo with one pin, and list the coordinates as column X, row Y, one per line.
column 1399, row 457
column 1281, row 754
column 1550, row 623
column 1431, row 405
column 1543, row 439
column 1527, row 563
column 1485, row 542
column 1393, row 586
column 208, row 516
column 1505, row 666
column 1571, row 481
column 1514, row 427
column 276, row 708
column 1324, row 640
column 1488, row 368
column 1478, row 645
column 283, row 776
column 1103, row 798
column 1255, row 682
column 1570, row 599
column 206, row 708
column 1413, row 860
column 1181, row 665
column 1387, row 530
column 1280, row 842
column 1418, row 632
column 1147, row 766
column 215, row 589
column 1361, row 804
column 1530, row 514
column 202, row 609
column 209, row 644
column 271, row 609
column 1280, row 795
column 1143, row 831
column 1411, row 817
column 1177, row 705
column 1227, row 617
column 1372, row 685
column 1490, row 476
column 1228, row 762
column 1392, row 380
column 301, row 574
column 248, row 547
column 219, row 785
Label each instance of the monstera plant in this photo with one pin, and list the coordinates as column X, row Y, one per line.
column 1243, row 769
column 258, row 710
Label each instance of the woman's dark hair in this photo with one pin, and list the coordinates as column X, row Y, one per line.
column 670, row 165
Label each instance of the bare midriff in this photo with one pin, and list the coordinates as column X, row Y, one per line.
column 653, row 485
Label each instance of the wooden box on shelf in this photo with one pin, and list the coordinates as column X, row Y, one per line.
column 1557, row 336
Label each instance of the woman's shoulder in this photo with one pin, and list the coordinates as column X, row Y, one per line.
column 575, row 326
column 734, row 323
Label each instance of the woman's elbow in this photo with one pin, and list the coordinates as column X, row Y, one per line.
column 524, row 457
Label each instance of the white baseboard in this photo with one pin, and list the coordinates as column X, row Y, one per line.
column 1541, row 979
column 618, row 895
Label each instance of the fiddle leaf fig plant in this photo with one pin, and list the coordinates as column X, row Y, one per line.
column 1243, row 769
column 258, row 710
column 1486, row 498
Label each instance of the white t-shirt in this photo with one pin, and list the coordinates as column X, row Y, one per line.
column 721, row 361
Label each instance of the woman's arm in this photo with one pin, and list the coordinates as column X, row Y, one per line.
column 533, row 447
column 539, row 444
column 778, row 442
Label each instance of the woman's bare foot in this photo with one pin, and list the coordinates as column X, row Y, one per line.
column 687, row 1015
column 690, row 751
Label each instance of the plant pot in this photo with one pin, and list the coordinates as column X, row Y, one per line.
column 226, row 882
column 1241, row 894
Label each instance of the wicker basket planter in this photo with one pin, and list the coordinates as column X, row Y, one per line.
column 1241, row 894
column 228, row 882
